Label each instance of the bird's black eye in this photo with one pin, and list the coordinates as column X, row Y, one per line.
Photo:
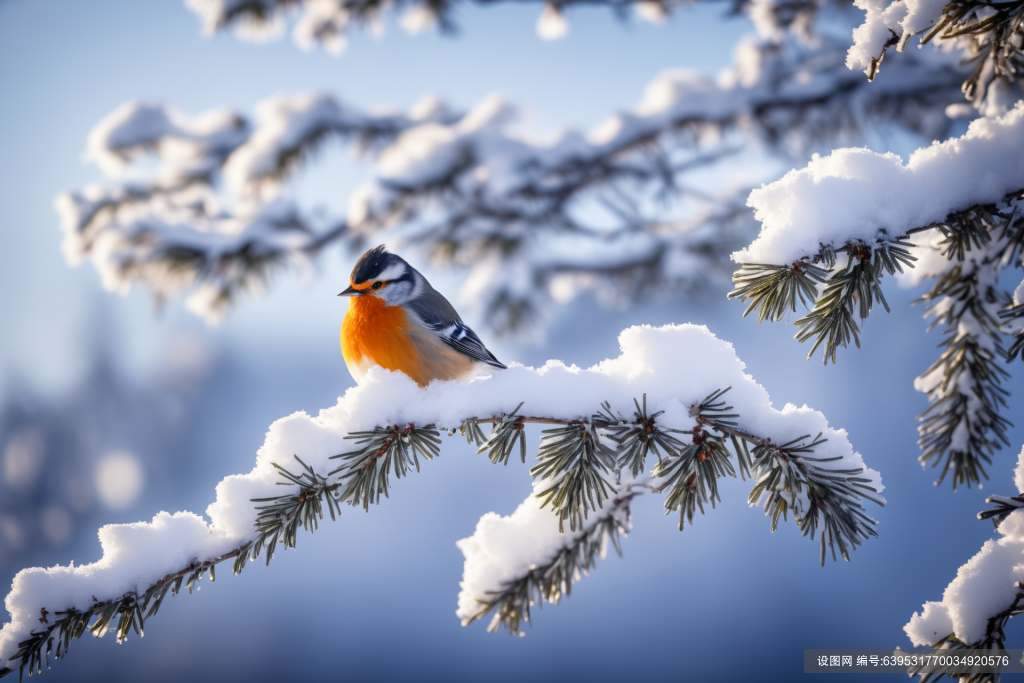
column 377, row 285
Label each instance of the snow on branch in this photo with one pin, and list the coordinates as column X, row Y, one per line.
column 622, row 209
column 171, row 231
column 988, row 35
column 832, row 230
column 387, row 424
column 964, row 384
column 290, row 128
column 193, row 148
column 1014, row 325
column 327, row 23
column 988, row 590
column 501, row 575
column 855, row 194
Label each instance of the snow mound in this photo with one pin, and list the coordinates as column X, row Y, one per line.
column 856, row 193
column 983, row 587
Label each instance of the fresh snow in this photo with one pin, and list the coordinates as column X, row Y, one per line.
column 983, row 587
column 286, row 124
column 136, row 555
column 187, row 145
column 901, row 20
column 1018, row 472
column 905, row 17
column 854, row 194
column 504, row 549
column 929, row 626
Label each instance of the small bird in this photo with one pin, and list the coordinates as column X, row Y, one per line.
column 396, row 320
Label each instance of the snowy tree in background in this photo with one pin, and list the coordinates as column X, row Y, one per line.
column 650, row 201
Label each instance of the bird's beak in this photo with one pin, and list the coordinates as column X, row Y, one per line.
column 351, row 291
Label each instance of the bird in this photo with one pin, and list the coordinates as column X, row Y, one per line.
column 396, row 320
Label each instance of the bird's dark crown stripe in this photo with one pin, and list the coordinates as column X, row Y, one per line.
column 372, row 263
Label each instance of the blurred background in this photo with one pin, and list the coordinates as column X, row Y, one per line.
column 112, row 409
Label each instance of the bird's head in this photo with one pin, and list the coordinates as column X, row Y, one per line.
column 384, row 275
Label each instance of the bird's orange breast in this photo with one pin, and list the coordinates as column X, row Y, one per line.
column 376, row 334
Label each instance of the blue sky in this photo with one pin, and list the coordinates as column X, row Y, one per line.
column 372, row 597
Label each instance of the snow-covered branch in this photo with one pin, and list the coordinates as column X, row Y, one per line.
column 169, row 230
column 624, row 209
column 502, row 575
column 822, row 483
column 988, row 35
column 832, row 230
column 328, row 23
column 964, row 383
column 1014, row 325
column 987, row 591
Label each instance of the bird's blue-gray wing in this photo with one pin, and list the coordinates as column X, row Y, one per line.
column 438, row 315
column 458, row 336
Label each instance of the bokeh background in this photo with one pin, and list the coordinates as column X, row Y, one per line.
column 111, row 410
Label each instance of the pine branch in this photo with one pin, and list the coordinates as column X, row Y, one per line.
column 994, row 640
column 782, row 473
column 850, row 291
column 368, row 468
column 1004, row 505
column 550, row 581
column 572, row 458
column 990, row 33
column 987, row 34
column 962, row 426
column 634, row 439
column 692, row 471
column 834, row 494
column 280, row 518
column 574, row 461
column 967, row 231
column 505, row 431
column 276, row 523
column 693, row 475
column 774, row 289
column 1017, row 345
column 712, row 412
